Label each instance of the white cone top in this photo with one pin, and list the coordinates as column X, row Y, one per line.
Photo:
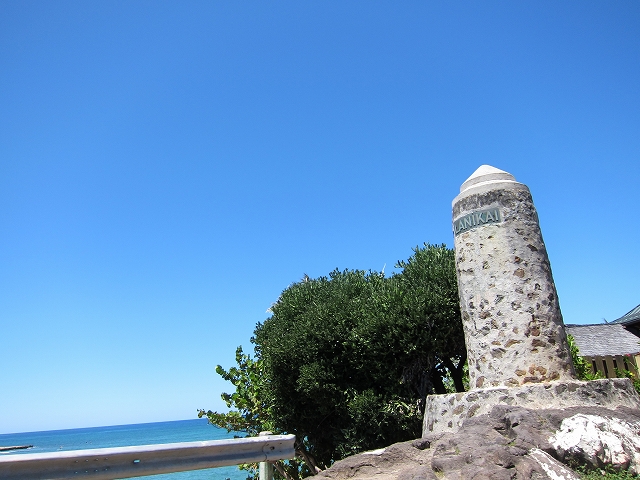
column 484, row 175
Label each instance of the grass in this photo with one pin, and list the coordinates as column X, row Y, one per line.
column 608, row 474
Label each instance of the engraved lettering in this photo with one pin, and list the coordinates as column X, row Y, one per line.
column 475, row 219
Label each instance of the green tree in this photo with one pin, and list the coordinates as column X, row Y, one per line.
column 346, row 361
column 331, row 350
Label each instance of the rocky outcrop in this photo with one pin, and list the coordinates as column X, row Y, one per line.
column 510, row 442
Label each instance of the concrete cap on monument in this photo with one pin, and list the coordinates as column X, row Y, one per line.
column 486, row 174
column 511, row 315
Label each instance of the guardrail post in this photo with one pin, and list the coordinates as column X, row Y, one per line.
column 266, row 468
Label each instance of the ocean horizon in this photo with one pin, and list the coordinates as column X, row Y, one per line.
column 128, row 435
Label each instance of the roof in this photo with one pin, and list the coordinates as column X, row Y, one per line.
column 631, row 317
column 604, row 339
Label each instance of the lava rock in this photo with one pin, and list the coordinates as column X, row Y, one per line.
column 508, row 443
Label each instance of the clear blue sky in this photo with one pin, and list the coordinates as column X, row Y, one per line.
column 168, row 168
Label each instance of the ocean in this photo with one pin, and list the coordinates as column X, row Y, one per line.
column 126, row 435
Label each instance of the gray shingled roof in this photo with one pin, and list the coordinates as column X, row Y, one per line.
column 630, row 317
column 604, row 339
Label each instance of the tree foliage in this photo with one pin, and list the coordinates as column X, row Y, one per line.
column 250, row 414
column 345, row 361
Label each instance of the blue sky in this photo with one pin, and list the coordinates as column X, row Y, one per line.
column 168, row 168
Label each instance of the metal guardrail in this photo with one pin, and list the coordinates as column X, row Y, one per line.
column 137, row 461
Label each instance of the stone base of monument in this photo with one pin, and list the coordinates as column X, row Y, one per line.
column 446, row 413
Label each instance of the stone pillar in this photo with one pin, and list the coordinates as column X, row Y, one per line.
column 517, row 349
column 510, row 312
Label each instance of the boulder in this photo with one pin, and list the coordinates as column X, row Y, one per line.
column 510, row 442
column 599, row 441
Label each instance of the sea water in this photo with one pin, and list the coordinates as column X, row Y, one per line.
column 126, row 435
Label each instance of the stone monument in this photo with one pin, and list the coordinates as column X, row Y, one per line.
column 510, row 311
column 516, row 344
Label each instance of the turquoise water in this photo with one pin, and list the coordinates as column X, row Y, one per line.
column 125, row 435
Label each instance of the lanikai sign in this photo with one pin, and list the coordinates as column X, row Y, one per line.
column 475, row 219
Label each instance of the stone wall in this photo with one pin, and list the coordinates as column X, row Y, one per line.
column 444, row 413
